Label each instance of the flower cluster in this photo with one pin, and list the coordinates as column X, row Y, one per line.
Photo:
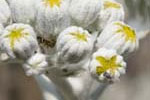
column 73, row 35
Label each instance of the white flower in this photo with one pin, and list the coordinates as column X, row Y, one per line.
column 35, row 65
column 84, row 12
column 119, row 36
column 110, row 11
column 107, row 65
column 73, row 45
column 51, row 17
column 19, row 40
column 5, row 14
column 23, row 11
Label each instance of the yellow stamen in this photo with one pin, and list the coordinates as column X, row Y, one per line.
column 106, row 64
column 130, row 33
column 15, row 35
column 79, row 36
column 52, row 3
column 109, row 4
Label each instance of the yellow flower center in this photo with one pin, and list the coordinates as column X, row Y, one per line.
column 109, row 4
column 52, row 3
column 15, row 35
column 130, row 33
column 106, row 64
column 79, row 36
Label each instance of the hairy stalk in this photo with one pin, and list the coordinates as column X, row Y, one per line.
column 48, row 88
column 98, row 92
column 62, row 84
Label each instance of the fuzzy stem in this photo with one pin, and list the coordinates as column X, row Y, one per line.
column 98, row 92
column 48, row 88
column 62, row 84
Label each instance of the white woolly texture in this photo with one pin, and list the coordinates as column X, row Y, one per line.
column 5, row 14
column 1, row 28
column 105, row 73
column 47, row 87
column 119, row 36
column 23, row 11
column 110, row 11
column 3, row 56
column 35, row 65
column 73, row 45
column 77, row 84
column 51, row 19
column 19, row 40
column 84, row 12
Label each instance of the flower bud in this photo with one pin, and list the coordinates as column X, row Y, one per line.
column 51, row 17
column 18, row 40
column 23, row 11
column 73, row 45
column 118, row 36
column 35, row 65
column 5, row 14
column 107, row 65
column 84, row 12
column 110, row 11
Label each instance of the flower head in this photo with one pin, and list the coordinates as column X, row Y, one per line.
column 119, row 36
column 127, row 31
column 109, row 4
column 23, row 11
column 84, row 12
column 19, row 40
column 36, row 64
column 52, row 3
column 51, row 17
column 107, row 65
column 110, row 11
column 73, row 45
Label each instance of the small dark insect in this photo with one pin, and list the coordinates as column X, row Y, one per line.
column 48, row 43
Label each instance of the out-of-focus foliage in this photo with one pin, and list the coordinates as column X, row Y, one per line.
column 138, row 13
